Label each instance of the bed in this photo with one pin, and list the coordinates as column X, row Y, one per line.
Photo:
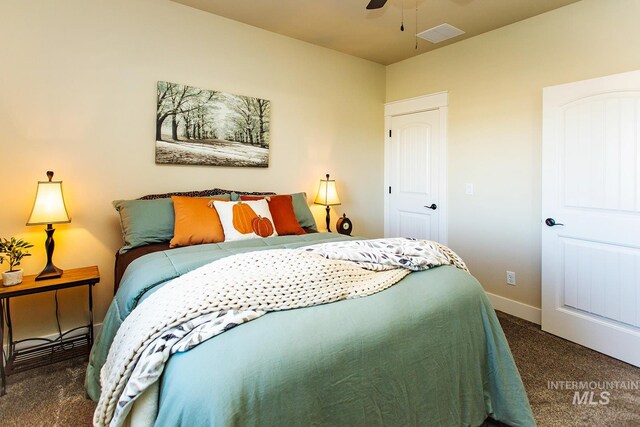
column 426, row 351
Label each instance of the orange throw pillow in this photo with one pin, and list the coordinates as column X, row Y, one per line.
column 195, row 222
column 284, row 217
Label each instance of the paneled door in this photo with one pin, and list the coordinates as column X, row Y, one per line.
column 413, row 175
column 591, row 214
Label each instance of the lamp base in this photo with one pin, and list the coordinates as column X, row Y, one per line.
column 328, row 218
column 50, row 272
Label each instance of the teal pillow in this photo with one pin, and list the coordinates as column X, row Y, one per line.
column 145, row 221
column 302, row 211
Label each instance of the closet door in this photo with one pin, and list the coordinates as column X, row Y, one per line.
column 413, row 175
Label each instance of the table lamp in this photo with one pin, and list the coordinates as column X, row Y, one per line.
column 328, row 196
column 49, row 208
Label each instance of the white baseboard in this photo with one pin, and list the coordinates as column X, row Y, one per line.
column 515, row 308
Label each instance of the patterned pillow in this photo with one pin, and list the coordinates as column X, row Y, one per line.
column 245, row 220
column 300, row 208
column 202, row 193
column 284, row 217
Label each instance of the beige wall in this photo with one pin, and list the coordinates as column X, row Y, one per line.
column 77, row 89
column 77, row 96
column 495, row 86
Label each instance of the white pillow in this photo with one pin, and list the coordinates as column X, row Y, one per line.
column 226, row 213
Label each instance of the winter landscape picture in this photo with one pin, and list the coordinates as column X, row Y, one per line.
column 208, row 127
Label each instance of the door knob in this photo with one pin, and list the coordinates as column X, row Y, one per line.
column 433, row 206
column 551, row 222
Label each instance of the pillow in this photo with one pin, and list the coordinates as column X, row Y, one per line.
column 217, row 192
column 195, row 222
column 284, row 218
column 300, row 207
column 145, row 221
column 245, row 220
column 303, row 213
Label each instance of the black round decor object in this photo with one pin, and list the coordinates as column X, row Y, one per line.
column 344, row 225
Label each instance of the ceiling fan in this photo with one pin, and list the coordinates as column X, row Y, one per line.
column 376, row 4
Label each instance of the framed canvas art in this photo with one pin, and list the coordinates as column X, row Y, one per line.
column 208, row 127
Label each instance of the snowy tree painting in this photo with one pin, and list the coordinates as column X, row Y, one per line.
column 207, row 127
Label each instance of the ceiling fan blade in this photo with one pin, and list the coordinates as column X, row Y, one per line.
column 376, row 4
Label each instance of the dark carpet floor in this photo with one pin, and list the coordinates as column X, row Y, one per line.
column 48, row 396
column 54, row 395
column 542, row 358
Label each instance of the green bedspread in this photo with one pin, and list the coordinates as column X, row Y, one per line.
column 427, row 351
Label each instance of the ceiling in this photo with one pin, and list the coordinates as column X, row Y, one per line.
column 346, row 25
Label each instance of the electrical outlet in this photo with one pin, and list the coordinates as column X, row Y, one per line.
column 468, row 189
column 511, row 278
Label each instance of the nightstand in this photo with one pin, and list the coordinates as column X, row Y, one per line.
column 44, row 351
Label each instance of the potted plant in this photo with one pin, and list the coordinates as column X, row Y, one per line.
column 13, row 251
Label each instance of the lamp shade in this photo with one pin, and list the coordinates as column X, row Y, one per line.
column 49, row 207
column 327, row 194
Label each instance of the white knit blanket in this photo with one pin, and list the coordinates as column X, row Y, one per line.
column 225, row 293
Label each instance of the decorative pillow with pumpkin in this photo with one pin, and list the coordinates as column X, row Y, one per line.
column 282, row 212
column 245, row 220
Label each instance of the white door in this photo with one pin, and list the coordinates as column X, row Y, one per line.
column 413, row 175
column 591, row 189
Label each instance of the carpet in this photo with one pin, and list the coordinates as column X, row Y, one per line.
column 54, row 395
column 48, row 396
column 543, row 358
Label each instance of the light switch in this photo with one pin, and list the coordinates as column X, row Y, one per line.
column 468, row 189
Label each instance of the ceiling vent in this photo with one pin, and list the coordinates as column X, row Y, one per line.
column 440, row 33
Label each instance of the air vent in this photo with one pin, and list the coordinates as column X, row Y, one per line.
column 440, row 33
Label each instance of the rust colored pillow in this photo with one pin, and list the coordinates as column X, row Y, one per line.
column 284, row 217
column 195, row 222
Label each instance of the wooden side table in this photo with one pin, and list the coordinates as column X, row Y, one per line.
column 44, row 351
